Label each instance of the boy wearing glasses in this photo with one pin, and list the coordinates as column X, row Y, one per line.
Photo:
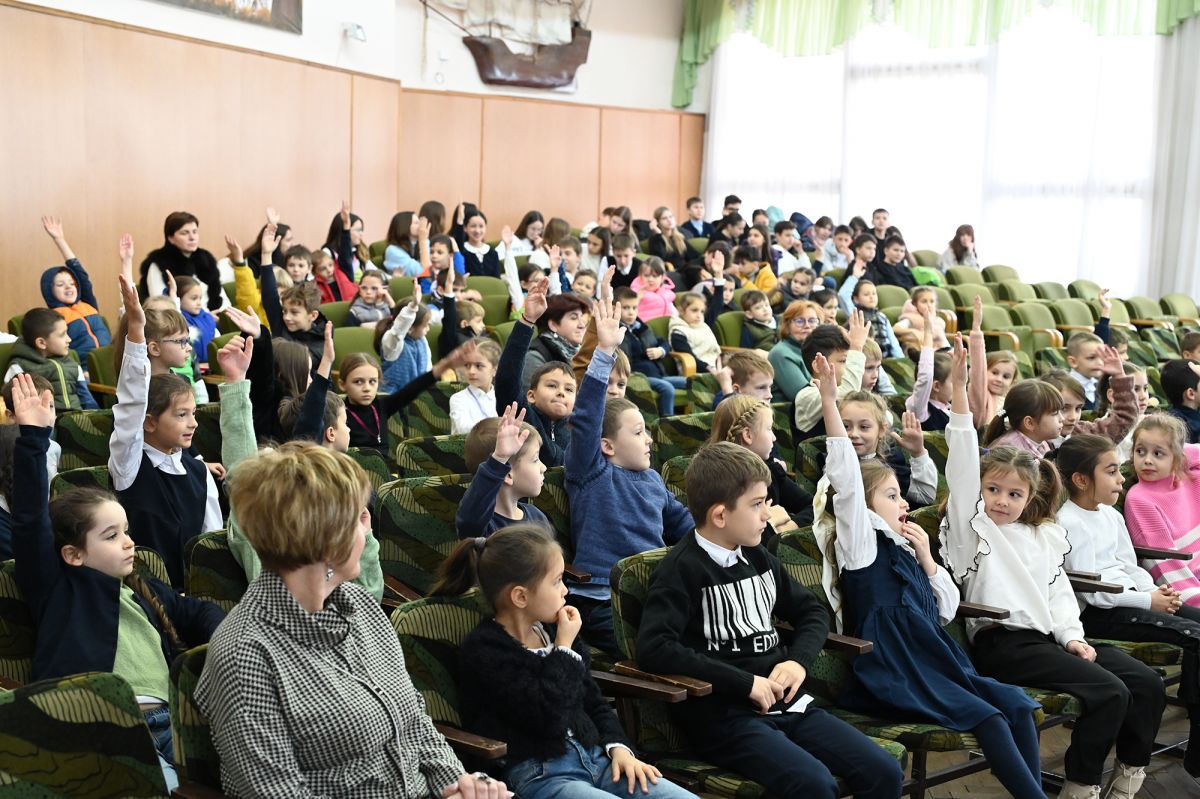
column 168, row 344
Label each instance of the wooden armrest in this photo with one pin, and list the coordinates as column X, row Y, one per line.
column 1152, row 323
column 577, row 575
column 836, row 642
column 9, row 684
column 404, row 592
column 1189, row 320
column 1085, row 328
column 1150, row 553
column 1011, row 336
column 194, row 790
column 693, row 686
column 612, row 684
column 1123, row 325
column 214, row 380
column 687, row 364
column 950, row 318
column 1082, row 575
column 727, row 348
column 476, row 745
column 100, row 388
column 1056, row 336
column 971, row 610
column 1082, row 586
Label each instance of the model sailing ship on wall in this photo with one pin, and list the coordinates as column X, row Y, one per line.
column 538, row 44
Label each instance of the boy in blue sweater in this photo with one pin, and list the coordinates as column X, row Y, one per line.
column 709, row 614
column 502, row 453
column 619, row 505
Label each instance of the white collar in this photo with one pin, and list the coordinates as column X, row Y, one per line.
column 1087, row 382
column 172, row 461
column 481, row 250
column 478, row 392
column 720, row 555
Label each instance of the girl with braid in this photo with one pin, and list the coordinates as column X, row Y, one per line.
column 74, row 564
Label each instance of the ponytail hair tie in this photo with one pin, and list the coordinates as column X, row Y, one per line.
column 480, row 543
column 1001, row 414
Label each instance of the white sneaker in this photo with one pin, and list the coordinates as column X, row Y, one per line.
column 1125, row 782
column 1077, row 790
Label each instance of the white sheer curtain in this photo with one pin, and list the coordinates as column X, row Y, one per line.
column 1043, row 141
column 1175, row 253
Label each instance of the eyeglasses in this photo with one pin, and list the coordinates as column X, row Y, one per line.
column 805, row 321
column 182, row 343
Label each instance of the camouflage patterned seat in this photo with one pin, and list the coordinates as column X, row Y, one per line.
column 656, row 735
column 196, row 758
column 702, row 392
column 77, row 736
column 429, row 413
column 678, row 435
column 433, row 455
column 86, row 477
column 810, row 461
column 149, row 564
column 553, row 502
column 673, row 473
column 17, row 630
column 902, row 372
column 785, row 439
column 1049, row 358
column 83, row 436
column 415, row 526
column 638, row 391
column 374, row 465
column 213, row 573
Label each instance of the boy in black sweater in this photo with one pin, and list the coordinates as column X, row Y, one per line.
column 708, row 615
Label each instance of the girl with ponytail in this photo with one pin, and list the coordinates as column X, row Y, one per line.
column 75, row 566
column 525, row 677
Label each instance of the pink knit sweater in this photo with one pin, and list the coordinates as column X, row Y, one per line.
column 1165, row 514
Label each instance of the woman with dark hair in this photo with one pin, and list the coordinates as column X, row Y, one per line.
column 253, row 253
column 961, row 251
column 344, row 243
column 560, row 333
column 181, row 254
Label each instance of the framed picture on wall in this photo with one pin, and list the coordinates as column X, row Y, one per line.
column 286, row 15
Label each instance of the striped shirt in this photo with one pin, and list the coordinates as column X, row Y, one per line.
column 318, row 704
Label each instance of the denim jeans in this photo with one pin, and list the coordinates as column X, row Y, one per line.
column 159, row 721
column 581, row 773
column 665, row 388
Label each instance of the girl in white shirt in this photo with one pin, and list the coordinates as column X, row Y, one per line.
column 1100, row 543
column 1000, row 543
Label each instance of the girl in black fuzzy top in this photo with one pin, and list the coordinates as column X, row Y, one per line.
column 524, row 678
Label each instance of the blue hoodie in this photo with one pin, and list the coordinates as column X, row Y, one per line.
column 84, row 323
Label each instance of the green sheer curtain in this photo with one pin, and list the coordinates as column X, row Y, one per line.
column 1173, row 13
column 815, row 27
column 706, row 23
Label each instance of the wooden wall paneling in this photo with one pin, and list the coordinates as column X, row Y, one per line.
column 541, row 156
column 374, row 154
column 42, row 157
column 691, row 160
column 439, row 149
column 639, row 159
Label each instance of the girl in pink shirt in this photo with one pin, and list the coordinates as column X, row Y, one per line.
column 1163, row 509
column 656, row 291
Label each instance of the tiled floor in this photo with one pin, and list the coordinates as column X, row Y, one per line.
column 1166, row 778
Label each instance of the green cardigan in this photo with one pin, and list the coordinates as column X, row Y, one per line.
column 238, row 444
column 791, row 374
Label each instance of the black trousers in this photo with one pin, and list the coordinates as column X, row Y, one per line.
column 1122, row 699
column 1181, row 628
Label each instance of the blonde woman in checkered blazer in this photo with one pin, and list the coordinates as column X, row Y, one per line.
column 304, row 684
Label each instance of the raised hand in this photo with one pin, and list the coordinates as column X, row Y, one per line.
column 246, row 321
column 423, row 228
column 555, row 255
column 125, row 248
column 977, row 315
column 535, row 301
column 133, row 309
column 269, row 242
column 859, row 330
column 235, row 249
column 718, row 262
column 506, row 236
column 609, row 333
column 53, row 226
column 415, row 299
column 172, row 288
column 859, row 268
column 234, row 358
column 1105, row 303
column 272, row 216
column 29, row 407
column 1111, row 363
column 457, row 357
column 606, row 289
column 345, row 214
column 822, row 372
column 911, row 438
column 510, row 436
column 326, row 364
column 448, row 287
